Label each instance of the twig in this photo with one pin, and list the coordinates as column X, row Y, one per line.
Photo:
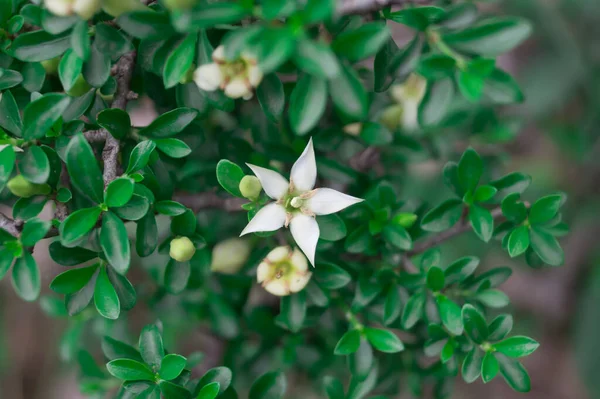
column 209, row 200
column 12, row 227
column 460, row 227
column 345, row 7
column 123, row 72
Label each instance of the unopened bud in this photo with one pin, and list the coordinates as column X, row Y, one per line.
column 230, row 255
column 353, row 129
column 208, row 77
column 250, row 187
column 237, row 88
column 118, row 7
column 86, row 8
column 296, row 202
column 182, row 249
column 23, row 188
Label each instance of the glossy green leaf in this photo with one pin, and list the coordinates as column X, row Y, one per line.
column 546, row 247
column 33, row 231
column 114, row 242
column 517, row 346
column 174, row 148
column 171, row 366
column 41, row 114
column 26, row 277
column 77, row 225
column 348, row 344
column 307, row 104
column 229, row 176
column 140, row 155
column 72, row 281
column 70, row 256
column 384, row 340
column 146, row 24
column 129, row 370
column 69, row 69
column 545, row 208
column 151, row 346
column 348, row 94
column 34, row 166
column 83, row 169
column 450, row 314
column 482, row 222
column 471, row 367
column 475, row 324
column 518, row 241
column 169, row 124
column 116, row 122
column 362, row 42
column 316, row 59
column 436, row 103
column 271, row 385
column 111, row 42
column 179, row 61
column 39, row 46
column 514, row 374
column 443, row 216
column 271, row 97
column 490, row 367
column 118, row 192
column 105, row 297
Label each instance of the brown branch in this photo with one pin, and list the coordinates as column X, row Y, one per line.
column 123, row 73
column 12, row 227
column 460, row 227
column 209, row 200
column 345, row 7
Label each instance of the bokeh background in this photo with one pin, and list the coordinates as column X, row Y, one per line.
column 557, row 141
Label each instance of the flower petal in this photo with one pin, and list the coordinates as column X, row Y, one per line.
column 304, row 171
column 327, row 200
column 271, row 217
column 305, row 231
column 237, row 88
column 299, row 281
column 208, row 77
column 273, row 183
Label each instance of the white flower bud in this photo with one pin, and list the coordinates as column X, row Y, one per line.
column 59, row 7
column 230, row 255
column 208, row 77
column 182, row 249
column 237, row 88
column 284, row 271
column 86, row 8
column 218, row 54
column 255, row 75
column 353, row 129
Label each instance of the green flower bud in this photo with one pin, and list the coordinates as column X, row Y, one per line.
column 22, row 187
column 230, row 255
column 405, row 219
column 250, row 187
column 182, row 249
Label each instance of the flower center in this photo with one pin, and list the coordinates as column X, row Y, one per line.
column 297, row 202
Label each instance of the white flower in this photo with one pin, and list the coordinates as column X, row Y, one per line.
column 59, row 7
column 230, row 255
column 297, row 203
column 409, row 95
column 237, row 78
column 283, row 271
column 84, row 8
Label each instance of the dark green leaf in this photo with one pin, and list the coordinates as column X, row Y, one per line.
column 105, row 297
column 129, row 370
column 362, row 42
column 34, row 166
column 72, row 280
column 26, row 277
column 271, row 97
column 348, row 344
column 169, row 123
column 490, row 367
column 140, row 155
column 40, row 115
column 39, row 46
column 171, row 366
column 77, row 225
column 84, row 170
column 151, row 346
column 115, row 243
column 517, row 346
column 348, row 94
column 450, row 314
column 482, row 222
column 307, row 104
column 271, row 385
column 384, row 340
column 443, row 216
column 546, row 247
column 117, row 123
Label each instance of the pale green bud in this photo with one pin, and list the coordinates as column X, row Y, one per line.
column 230, row 255
column 250, row 187
column 182, row 249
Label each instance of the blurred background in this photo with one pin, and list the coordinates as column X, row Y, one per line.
column 557, row 142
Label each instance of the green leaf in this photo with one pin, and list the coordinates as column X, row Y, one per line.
column 114, row 349
column 451, row 314
column 171, row 366
column 80, row 41
column 27, row 208
column 77, row 225
column 229, row 176
column 436, row 102
column 490, row 37
column 271, row 97
column 517, row 346
column 274, row 46
column 174, row 148
column 146, row 238
column 78, row 301
column 443, row 216
column 460, row 269
column 72, row 280
column 208, row 15
column 116, row 122
column 10, row 118
column 348, row 344
column 129, row 370
column 397, row 236
column 514, row 374
column 546, row 247
column 316, row 59
column 413, row 311
column 490, row 367
column 151, row 346
column 475, row 324
column 545, row 208
column 9, row 78
column 348, row 94
column 6, row 261
column 34, row 166
column 307, row 104
column 7, row 164
column 361, row 362
column 501, row 88
column 173, row 391
column 221, row 375
column 39, row 46
column 146, row 24
column 271, row 385
column 384, row 340
column 70, row 256
column 393, row 306
column 140, row 155
column 111, row 42
column 518, row 241
column 26, row 277
column 500, row 327
column 105, row 297
column 34, row 75
column 484, row 193
column 470, row 85
column 115, row 243
column 363, row 42
column 40, row 115
column 331, row 227
column 376, row 134
column 493, row 298
column 170, row 123
column 179, row 61
column 96, row 69
column 84, row 170
column 417, row 17
column 470, row 168
column 209, row 391
column 118, row 192
column 482, row 222
column 124, row 289
column 69, row 69
column 330, row 276
column 33, row 231
column 435, row 279
column 293, row 311
column 471, row 367
column 177, row 275
column 436, row 66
